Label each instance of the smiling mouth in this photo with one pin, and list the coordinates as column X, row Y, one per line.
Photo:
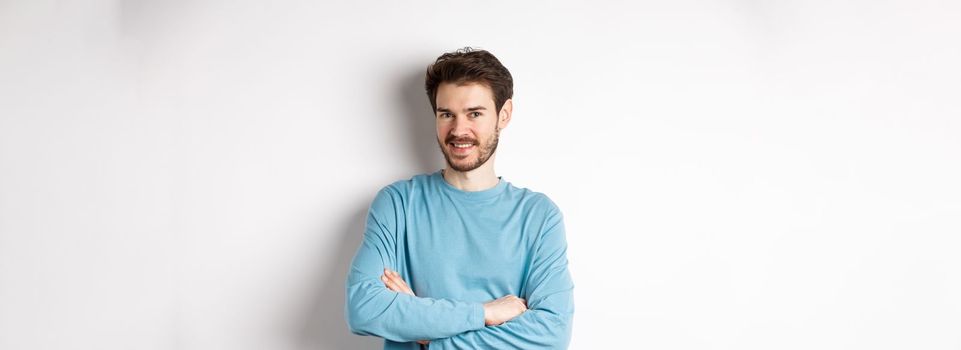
column 461, row 148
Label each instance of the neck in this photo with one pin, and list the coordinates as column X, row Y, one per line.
column 479, row 179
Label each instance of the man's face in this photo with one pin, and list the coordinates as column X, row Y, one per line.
column 467, row 124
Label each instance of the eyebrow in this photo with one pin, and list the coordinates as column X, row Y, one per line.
column 471, row 109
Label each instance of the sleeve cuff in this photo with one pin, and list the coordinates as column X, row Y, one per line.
column 477, row 317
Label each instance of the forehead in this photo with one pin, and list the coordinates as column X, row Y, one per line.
column 457, row 96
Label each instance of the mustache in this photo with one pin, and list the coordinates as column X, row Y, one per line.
column 451, row 139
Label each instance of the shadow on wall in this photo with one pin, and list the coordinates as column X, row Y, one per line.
column 325, row 326
column 419, row 121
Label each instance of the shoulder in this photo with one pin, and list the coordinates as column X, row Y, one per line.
column 399, row 191
column 544, row 215
column 536, row 203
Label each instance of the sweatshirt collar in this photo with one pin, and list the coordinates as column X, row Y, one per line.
column 482, row 194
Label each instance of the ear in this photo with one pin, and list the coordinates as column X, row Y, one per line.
column 505, row 115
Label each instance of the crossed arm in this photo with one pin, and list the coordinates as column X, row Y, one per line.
column 496, row 312
column 395, row 283
column 396, row 314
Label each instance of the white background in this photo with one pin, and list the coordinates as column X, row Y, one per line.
column 733, row 174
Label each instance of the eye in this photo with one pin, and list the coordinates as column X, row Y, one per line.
column 445, row 115
column 475, row 114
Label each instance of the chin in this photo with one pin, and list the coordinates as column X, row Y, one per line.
column 462, row 166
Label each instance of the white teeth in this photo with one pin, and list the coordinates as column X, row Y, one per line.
column 462, row 145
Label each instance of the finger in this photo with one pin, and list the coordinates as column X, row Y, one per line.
column 395, row 277
column 383, row 278
column 389, row 281
column 390, row 284
column 396, row 284
column 396, row 287
column 401, row 283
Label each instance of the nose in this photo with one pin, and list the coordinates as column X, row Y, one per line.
column 461, row 127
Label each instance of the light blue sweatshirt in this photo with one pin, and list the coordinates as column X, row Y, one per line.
column 457, row 250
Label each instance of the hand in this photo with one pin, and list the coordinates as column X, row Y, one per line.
column 503, row 309
column 394, row 282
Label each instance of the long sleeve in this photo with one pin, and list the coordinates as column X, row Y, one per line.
column 372, row 309
column 547, row 323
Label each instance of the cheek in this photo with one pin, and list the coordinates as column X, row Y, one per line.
column 443, row 130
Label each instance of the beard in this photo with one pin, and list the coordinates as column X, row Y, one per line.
column 484, row 151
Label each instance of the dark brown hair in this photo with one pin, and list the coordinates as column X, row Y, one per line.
column 470, row 65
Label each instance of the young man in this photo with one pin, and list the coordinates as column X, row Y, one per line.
column 461, row 258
